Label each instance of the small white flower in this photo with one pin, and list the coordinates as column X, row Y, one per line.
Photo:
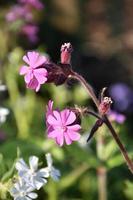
column 32, row 176
column 54, row 173
column 22, row 191
column 3, row 114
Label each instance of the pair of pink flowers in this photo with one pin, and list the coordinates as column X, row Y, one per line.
column 35, row 73
column 61, row 125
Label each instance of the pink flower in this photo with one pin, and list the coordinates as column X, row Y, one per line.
column 34, row 74
column 30, row 31
column 60, row 125
column 34, row 3
column 19, row 12
column 117, row 117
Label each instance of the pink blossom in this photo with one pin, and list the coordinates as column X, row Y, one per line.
column 117, row 117
column 34, row 74
column 19, row 12
column 30, row 31
column 61, row 126
column 34, row 3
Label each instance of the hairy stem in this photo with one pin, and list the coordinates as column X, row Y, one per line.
column 105, row 118
column 87, row 86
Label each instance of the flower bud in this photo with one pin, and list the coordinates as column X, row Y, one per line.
column 66, row 50
column 104, row 106
column 95, row 127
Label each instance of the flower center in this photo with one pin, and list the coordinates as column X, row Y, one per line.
column 62, row 128
column 31, row 69
column 22, row 193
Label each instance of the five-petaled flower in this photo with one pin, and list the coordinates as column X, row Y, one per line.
column 35, row 74
column 22, row 191
column 31, row 175
column 61, row 125
column 30, row 178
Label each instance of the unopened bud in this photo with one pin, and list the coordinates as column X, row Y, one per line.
column 96, row 126
column 66, row 50
column 104, row 106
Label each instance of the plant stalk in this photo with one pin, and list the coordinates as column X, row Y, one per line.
column 105, row 118
column 87, row 86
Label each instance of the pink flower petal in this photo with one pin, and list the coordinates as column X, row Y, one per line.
column 64, row 115
column 49, row 110
column 26, row 59
column 71, row 118
column 28, row 77
column 75, row 127
column 34, row 60
column 67, row 139
column 40, row 75
column 49, row 128
column 33, row 84
column 53, row 134
column 33, row 56
column 23, row 70
column 57, row 116
column 50, row 107
column 74, row 136
column 40, row 61
column 52, row 121
column 60, row 140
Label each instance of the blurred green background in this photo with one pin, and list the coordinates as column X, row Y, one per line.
column 101, row 32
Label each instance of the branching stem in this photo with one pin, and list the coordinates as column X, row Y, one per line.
column 91, row 93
